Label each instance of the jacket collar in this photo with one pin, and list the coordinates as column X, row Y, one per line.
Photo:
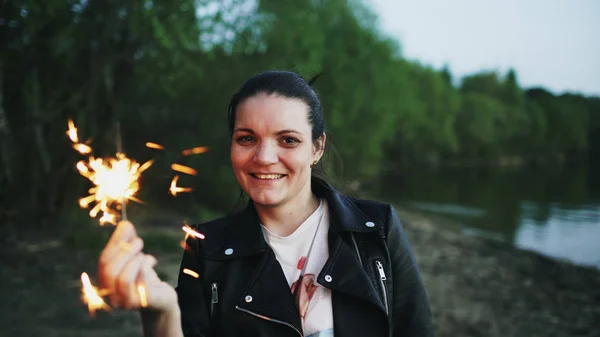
column 242, row 235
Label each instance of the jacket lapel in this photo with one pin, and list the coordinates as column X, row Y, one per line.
column 266, row 294
column 344, row 273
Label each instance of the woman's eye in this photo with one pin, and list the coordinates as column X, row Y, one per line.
column 290, row 141
column 245, row 139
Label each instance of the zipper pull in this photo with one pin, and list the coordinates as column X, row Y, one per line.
column 381, row 271
column 215, row 293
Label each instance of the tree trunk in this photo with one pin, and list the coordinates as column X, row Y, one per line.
column 5, row 139
column 38, row 122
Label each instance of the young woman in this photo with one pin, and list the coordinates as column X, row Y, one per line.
column 300, row 260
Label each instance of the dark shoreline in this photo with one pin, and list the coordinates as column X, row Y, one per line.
column 482, row 287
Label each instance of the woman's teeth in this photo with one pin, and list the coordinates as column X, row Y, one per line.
column 268, row 176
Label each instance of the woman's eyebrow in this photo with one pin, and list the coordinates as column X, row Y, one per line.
column 288, row 131
column 243, row 130
column 280, row 132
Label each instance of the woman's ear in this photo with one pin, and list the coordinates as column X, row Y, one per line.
column 319, row 147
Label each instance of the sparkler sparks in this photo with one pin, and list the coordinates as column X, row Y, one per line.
column 190, row 232
column 194, row 150
column 143, row 299
column 174, row 189
column 191, row 273
column 116, row 181
column 92, row 296
column 154, row 146
column 183, row 169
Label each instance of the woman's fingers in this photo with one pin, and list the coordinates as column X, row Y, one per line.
column 110, row 272
column 128, row 274
column 126, row 283
column 120, row 239
column 148, row 268
column 160, row 294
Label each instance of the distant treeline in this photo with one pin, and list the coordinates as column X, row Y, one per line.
column 166, row 70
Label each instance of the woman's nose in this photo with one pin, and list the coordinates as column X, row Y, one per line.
column 266, row 154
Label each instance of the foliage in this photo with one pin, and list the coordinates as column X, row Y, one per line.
column 166, row 70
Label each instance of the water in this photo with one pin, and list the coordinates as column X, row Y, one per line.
column 551, row 210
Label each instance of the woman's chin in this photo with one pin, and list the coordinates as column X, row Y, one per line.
column 267, row 199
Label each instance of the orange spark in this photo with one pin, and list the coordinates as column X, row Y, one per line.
column 154, row 146
column 92, row 296
column 143, row 298
column 108, row 218
column 82, row 148
column 184, row 169
column 190, row 232
column 191, row 273
column 195, row 150
column 72, row 132
column 174, row 189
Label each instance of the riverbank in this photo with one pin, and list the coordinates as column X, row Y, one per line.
column 476, row 287
column 480, row 287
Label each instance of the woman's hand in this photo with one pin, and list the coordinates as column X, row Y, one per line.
column 123, row 267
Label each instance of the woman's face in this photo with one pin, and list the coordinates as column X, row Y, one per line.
column 272, row 149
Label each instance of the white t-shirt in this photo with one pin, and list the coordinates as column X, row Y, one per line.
column 291, row 251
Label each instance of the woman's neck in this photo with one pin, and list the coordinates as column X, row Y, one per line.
column 283, row 220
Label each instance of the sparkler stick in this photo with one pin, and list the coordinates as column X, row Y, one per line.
column 120, row 150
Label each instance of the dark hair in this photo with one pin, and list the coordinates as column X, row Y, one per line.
column 286, row 84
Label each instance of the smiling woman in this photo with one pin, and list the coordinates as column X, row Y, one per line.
column 301, row 260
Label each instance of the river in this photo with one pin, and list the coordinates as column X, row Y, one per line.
column 553, row 210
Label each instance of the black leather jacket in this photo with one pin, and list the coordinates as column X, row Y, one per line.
column 242, row 291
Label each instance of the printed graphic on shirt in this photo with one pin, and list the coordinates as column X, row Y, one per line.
column 312, row 299
column 322, row 333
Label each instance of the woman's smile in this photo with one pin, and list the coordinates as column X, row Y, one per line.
column 267, row 176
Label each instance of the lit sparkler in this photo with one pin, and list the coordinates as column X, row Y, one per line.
column 116, row 181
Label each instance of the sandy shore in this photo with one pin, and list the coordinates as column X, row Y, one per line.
column 476, row 287
column 479, row 287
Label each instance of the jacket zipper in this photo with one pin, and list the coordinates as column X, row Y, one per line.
column 214, row 298
column 269, row 319
column 382, row 279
